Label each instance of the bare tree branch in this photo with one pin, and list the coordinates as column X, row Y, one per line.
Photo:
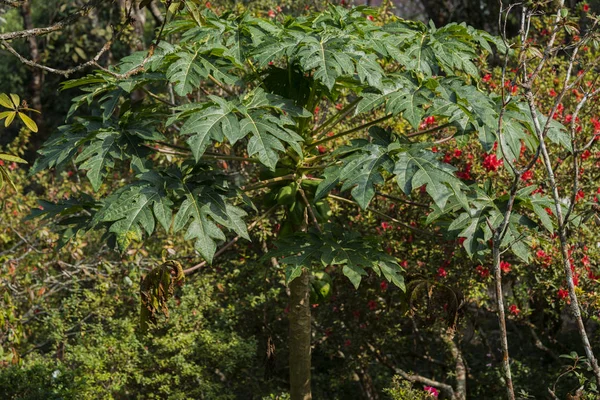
column 63, row 72
column 449, row 390
column 12, row 3
column 82, row 12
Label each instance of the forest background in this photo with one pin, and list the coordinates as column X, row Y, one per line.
column 478, row 281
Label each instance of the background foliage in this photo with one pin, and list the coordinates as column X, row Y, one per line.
column 69, row 311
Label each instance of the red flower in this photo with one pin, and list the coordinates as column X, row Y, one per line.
column 271, row 14
column 208, row 5
column 370, row 17
column 466, row 173
column 487, row 77
column 386, row 225
column 563, row 294
column 432, row 391
column 505, row 267
column 528, row 175
column 552, row 92
column 457, row 153
column 372, row 305
column 442, row 273
column 586, row 154
column 596, row 124
column 543, row 258
column 383, row 285
column 491, row 162
column 514, row 310
column 482, row 271
column 322, row 149
column 580, row 195
column 347, row 342
column 586, row 7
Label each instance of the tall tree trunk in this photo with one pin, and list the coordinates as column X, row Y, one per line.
column 299, row 338
column 129, row 7
column 37, row 75
column 510, row 391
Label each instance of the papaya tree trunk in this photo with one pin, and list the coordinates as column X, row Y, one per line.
column 299, row 338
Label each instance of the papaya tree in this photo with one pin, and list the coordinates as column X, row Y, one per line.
column 231, row 115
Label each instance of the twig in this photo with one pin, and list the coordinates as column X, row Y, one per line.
column 83, row 11
column 411, row 377
column 398, row 199
column 268, row 182
column 310, row 210
column 63, row 72
column 412, row 228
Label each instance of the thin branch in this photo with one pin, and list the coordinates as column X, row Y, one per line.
column 338, row 116
column 268, row 182
column 311, row 211
column 398, row 199
column 390, row 218
column 156, row 13
column 411, row 377
column 12, row 3
column 219, row 84
column 428, row 130
column 348, row 132
column 83, row 11
column 142, row 65
column 63, row 72
column 158, row 98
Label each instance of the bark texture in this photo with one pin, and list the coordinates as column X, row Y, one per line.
column 300, row 336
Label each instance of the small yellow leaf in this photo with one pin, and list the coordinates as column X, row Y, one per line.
column 5, row 101
column 10, row 118
column 5, row 114
column 7, row 177
column 29, row 122
column 11, row 158
column 15, row 99
column 29, row 109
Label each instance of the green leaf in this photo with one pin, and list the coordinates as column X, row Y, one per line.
column 417, row 167
column 131, row 209
column 391, row 270
column 62, row 146
column 203, row 207
column 401, row 94
column 363, row 172
column 211, row 124
column 193, row 66
column 327, row 56
column 98, row 157
column 267, row 134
